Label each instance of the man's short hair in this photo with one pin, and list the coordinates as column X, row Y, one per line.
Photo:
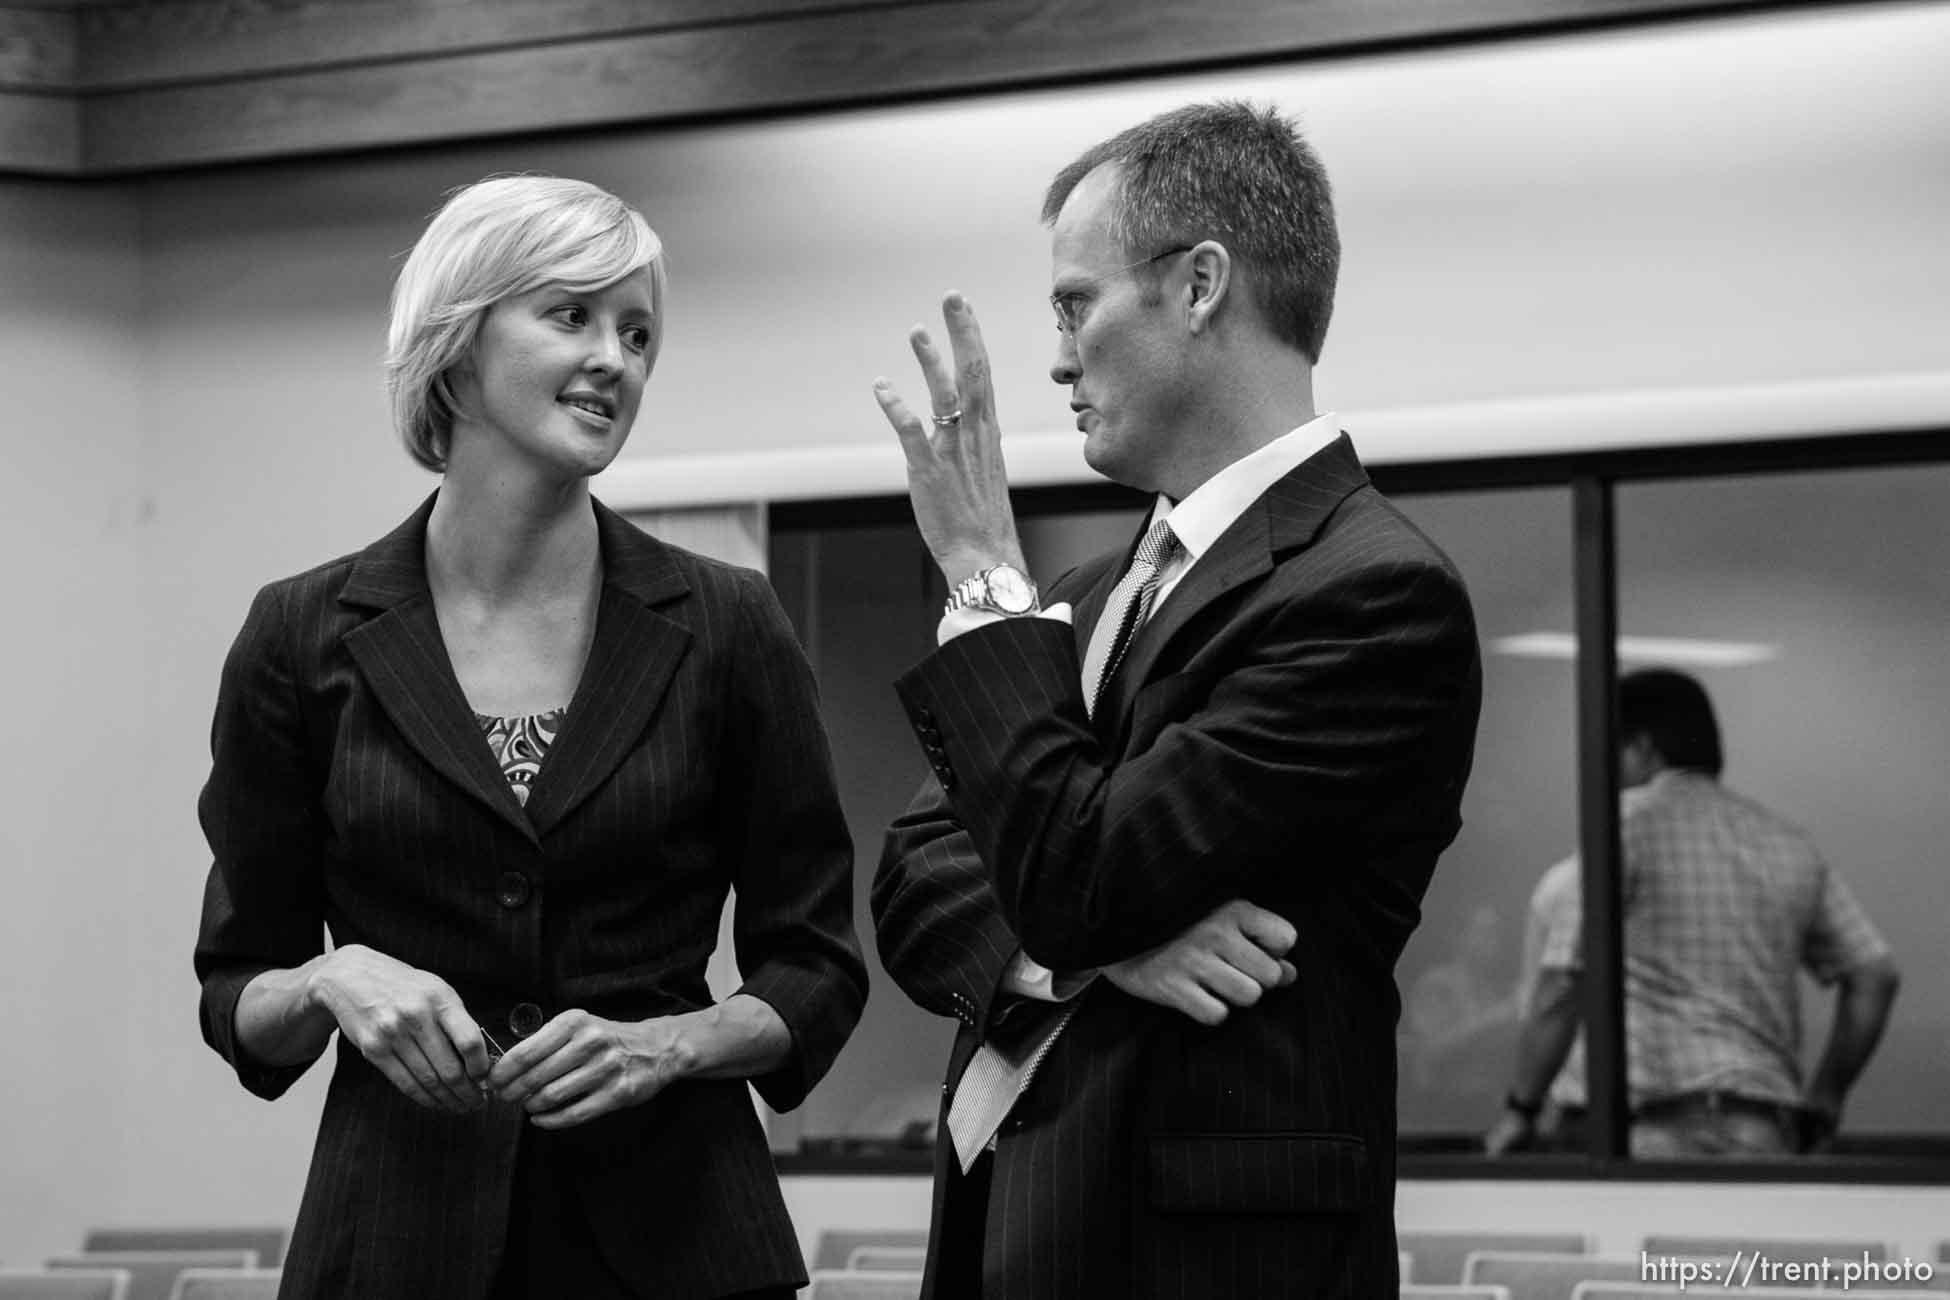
column 1671, row 710
column 1238, row 174
column 491, row 240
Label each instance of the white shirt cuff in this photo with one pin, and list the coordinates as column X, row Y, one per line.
column 968, row 618
column 1028, row 978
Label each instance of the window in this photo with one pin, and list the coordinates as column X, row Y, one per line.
column 1826, row 555
column 1462, row 976
column 1814, row 608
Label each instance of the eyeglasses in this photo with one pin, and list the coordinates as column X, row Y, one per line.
column 1070, row 305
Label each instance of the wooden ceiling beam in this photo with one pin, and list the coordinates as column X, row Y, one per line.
column 112, row 89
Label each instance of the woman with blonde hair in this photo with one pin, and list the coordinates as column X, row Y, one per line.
column 513, row 755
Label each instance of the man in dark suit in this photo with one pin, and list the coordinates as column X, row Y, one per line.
column 1220, row 786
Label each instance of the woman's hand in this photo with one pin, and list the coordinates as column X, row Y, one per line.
column 578, row 1066
column 411, row 1025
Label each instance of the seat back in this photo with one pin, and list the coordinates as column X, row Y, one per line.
column 268, row 1242
column 887, row 1259
column 848, row 1284
column 152, row 1273
column 1440, row 1256
column 1660, row 1291
column 226, row 1284
column 1444, row 1291
column 836, row 1245
column 1548, row 1277
column 1800, row 1250
column 72, row 1284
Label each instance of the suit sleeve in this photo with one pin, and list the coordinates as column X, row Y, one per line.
column 1343, row 720
column 791, row 851
column 940, row 932
column 262, row 903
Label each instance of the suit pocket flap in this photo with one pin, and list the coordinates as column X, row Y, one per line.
column 1258, row 1173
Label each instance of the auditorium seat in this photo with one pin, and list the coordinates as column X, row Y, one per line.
column 1439, row 1256
column 268, row 1242
column 1547, row 1277
column 152, row 1273
column 836, row 1245
column 1449, row 1291
column 226, row 1284
column 1652, row 1291
column 887, row 1259
column 1805, row 1250
column 73, row 1284
column 846, row 1284
column 1404, row 1266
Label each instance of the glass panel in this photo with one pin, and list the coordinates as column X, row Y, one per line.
column 1463, row 976
column 1812, row 608
column 865, row 602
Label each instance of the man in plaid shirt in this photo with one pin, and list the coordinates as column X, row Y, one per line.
column 1724, row 904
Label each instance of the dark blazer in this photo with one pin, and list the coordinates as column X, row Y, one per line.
column 1293, row 726
column 351, row 787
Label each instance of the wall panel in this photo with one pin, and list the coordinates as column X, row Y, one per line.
column 195, row 82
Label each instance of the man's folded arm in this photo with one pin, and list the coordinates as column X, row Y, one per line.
column 1346, row 718
column 938, row 930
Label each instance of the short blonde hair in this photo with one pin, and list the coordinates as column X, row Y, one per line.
column 491, row 240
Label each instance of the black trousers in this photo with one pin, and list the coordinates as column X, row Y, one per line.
column 958, row 1263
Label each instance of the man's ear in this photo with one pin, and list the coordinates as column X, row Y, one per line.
column 1211, row 282
column 1638, row 758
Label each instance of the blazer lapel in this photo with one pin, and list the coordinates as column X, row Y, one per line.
column 404, row 661
column 631, row 661
column 1285, row 517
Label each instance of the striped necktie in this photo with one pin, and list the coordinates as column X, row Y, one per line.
column 995, row 1077
column 1124, row 613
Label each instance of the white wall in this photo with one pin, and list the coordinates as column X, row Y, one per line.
column 193, row 407
column 77, row 948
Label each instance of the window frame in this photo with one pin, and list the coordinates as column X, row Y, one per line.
column 1593, row 478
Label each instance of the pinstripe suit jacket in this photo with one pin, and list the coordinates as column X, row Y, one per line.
column 351, row 786
column 1293, row 726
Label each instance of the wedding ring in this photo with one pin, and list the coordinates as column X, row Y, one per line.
column 943, row 421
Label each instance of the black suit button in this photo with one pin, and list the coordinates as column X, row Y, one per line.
column 947, row 777
column 525, row 1019
column 512, row 889
column 925, row 715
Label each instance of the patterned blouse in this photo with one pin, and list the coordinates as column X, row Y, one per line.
column 519, row 744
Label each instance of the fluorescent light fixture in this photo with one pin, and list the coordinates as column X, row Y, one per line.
column 1685, row 652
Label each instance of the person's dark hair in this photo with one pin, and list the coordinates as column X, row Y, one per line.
column 1237, row 174
column 1672, row 711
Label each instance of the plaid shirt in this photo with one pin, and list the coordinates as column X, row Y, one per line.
column 1725, row 904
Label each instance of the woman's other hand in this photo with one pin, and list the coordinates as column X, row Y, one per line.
column 410, row 1024
column 579, row 1066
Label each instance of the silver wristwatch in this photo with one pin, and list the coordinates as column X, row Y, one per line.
column 1004, row 589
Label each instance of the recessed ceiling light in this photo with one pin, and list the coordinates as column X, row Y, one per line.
column 1685, row 652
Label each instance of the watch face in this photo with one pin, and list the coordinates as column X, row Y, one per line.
column 1010, row 590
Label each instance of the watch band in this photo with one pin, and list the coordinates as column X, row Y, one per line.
column 978, row 592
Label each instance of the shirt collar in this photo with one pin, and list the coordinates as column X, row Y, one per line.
column 1212, row 507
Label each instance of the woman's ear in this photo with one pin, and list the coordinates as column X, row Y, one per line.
column 1211, row 281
